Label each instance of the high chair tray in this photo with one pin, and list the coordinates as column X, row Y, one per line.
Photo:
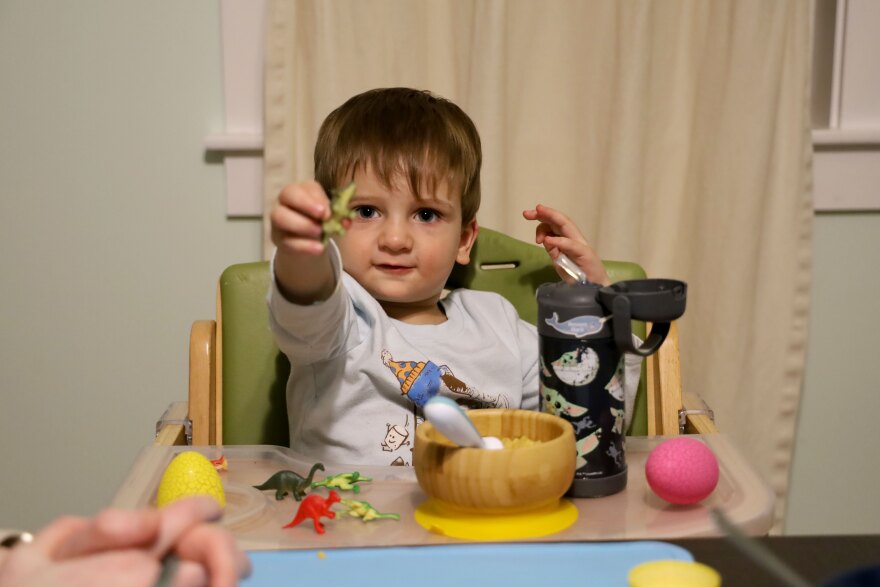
column 578, row 563
column 256, row 518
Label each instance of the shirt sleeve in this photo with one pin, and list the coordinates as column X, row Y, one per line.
column 318, row 331
column 632, row 371
column 528, row 343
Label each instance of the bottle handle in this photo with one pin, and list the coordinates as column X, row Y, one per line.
column 623, row 337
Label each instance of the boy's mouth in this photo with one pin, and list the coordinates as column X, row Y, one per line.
column 393, row 268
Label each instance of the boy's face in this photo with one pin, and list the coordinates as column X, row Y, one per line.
column 401, row 249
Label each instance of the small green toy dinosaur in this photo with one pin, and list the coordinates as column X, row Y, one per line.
column 284, row 482
column 366, row 512
column 339, row 208
column 343, row 481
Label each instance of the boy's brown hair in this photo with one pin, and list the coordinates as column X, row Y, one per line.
column 402, row 132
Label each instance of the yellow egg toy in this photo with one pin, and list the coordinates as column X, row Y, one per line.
column 190, row 473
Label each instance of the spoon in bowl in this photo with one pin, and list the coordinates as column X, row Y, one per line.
column 455, row 425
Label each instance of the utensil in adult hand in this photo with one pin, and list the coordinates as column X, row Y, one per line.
column 448, row 417
column 757, row 552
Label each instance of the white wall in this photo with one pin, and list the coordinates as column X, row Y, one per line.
column 113, row 232
column 112, row 235
column 836, row 469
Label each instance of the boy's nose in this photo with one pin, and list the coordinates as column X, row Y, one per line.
column 395, row 236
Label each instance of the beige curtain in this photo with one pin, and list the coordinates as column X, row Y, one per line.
column 676, row 133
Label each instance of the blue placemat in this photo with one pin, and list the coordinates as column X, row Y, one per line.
column 584, row 564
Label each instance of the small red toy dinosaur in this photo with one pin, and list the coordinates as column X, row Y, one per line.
column 314, row 506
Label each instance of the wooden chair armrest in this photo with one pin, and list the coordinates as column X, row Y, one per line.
column 202, row 381
column 665, row 396
column 698, row 417
column 172, row 427
column 664, row 386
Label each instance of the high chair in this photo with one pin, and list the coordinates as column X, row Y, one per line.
column 238, row 377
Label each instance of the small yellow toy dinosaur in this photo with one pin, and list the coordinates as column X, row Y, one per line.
column 343, row 481
column 366, row 512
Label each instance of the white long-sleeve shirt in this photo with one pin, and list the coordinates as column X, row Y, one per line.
column 358, row 376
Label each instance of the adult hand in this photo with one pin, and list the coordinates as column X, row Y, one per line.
column 126, row 549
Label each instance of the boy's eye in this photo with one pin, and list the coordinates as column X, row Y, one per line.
column 427, row 215
column 365, row 211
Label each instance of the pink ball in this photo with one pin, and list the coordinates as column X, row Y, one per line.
column 682, row 470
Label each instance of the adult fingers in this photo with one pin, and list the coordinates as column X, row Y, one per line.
column 190, row 574
column 54, row 536
column 177, row 518
column 111, row 530
column 214, row 549
column 126, row 568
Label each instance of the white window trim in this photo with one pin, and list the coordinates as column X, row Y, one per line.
column 241, row 142
column 846, row 95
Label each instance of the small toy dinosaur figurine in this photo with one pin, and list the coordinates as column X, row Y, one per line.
column 220, row 463
column 314, row 506
column 366, row 512
column 339, row 212
column 284, row 482
column 343, row 481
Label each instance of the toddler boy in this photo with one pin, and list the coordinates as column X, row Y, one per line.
column 361, row 318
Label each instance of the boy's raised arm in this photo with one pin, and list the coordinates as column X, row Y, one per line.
column 302, row 264
column 558, row 234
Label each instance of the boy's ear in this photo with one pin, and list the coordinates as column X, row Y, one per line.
column 468, row 237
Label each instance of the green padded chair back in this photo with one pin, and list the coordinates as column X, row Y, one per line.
column 255, row 372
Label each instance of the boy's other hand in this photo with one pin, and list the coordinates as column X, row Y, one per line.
column 296, row 218
column 558, row 234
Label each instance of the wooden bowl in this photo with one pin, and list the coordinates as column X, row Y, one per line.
column 507, row 480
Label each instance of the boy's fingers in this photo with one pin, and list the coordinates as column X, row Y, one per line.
column 295, row 244
column 558, row 223
column 288, row 221
column 307, row 198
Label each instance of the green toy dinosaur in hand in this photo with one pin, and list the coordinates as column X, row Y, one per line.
column 366, row 512
column 343, row 481
column 339, row 212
